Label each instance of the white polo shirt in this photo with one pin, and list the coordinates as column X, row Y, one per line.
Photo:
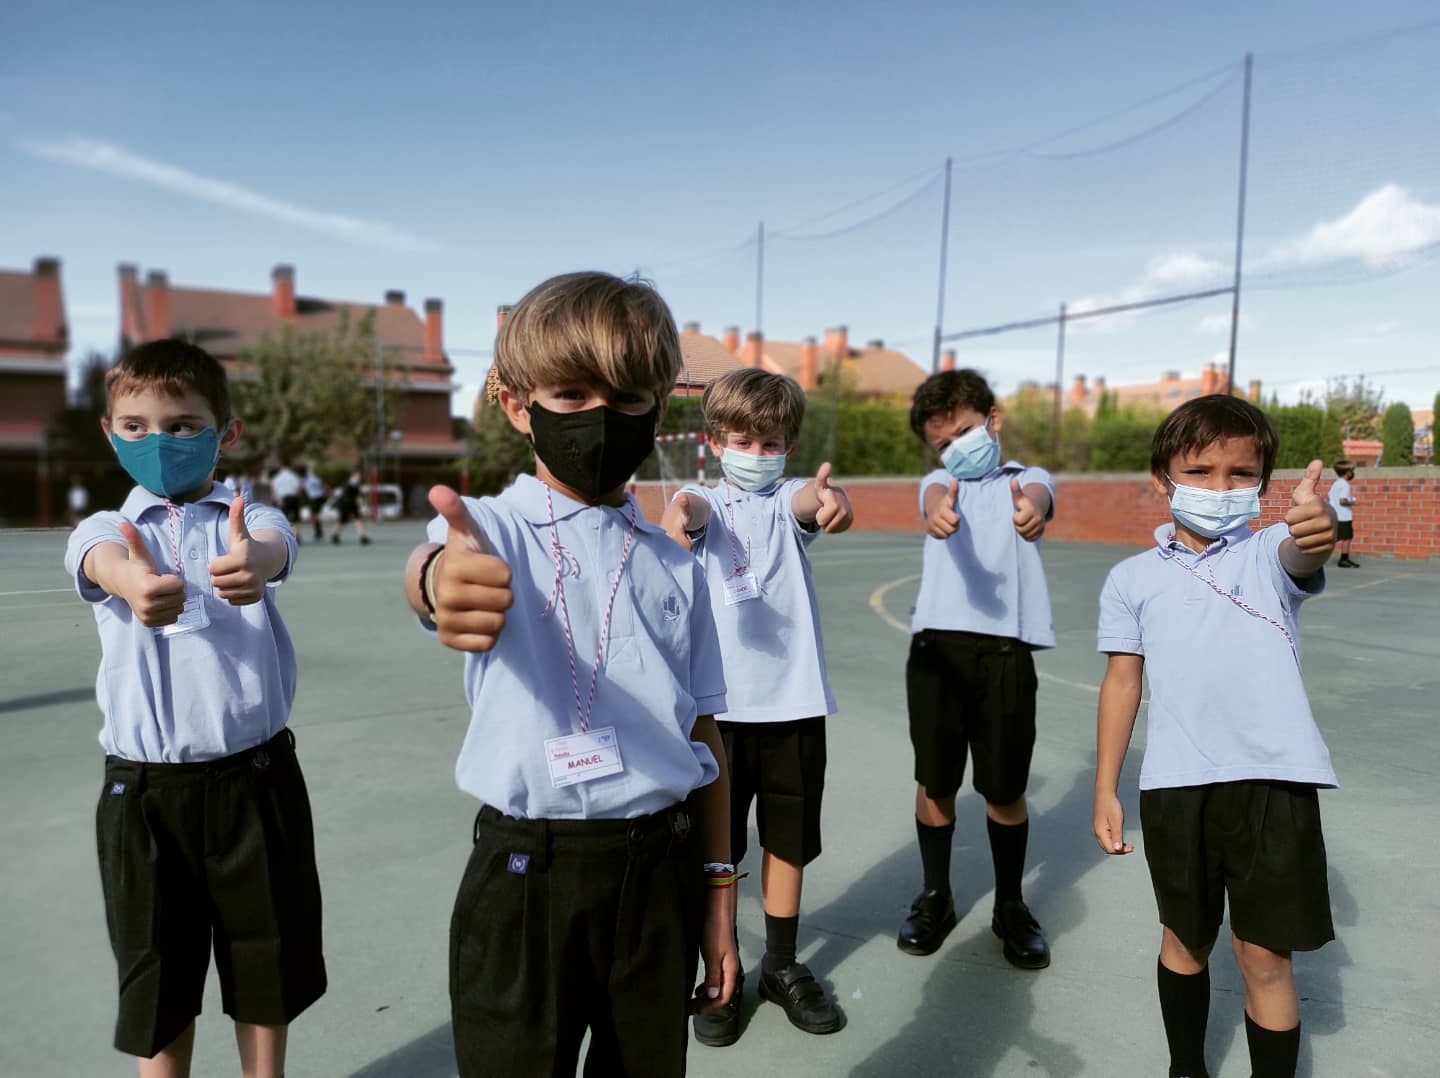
column 985, row 578
column 1340, row 489
column 1227, row 700
column 660, row 669
column 203, row 694
column 772, row 645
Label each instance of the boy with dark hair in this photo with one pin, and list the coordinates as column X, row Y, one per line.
column 1341, row 496
column 1233, row 758
column 599, row 866
column 970, row 679
column 204, row 824
column 751, row 534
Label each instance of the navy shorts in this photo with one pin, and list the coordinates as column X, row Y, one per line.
column 781, row 767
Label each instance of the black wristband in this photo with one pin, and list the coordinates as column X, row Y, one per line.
column 425, row 572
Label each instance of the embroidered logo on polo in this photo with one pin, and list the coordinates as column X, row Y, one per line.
column 116, row 789
column 671, row 608
column 519, row 864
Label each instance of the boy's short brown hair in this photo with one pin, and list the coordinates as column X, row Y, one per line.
column 174, row 367
column 752, row 401
column 583, row 326
column 1206, row 420
column 942, row 393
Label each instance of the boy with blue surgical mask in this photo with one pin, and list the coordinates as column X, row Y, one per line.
column 1233, row 758
column 751, row 534
column 203, row 827
column 970, row 678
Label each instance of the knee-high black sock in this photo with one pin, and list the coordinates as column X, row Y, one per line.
column 1273, row 1052
column 780, row 935
column 935, row 845
column 1007, row 851
column 1185, row 1009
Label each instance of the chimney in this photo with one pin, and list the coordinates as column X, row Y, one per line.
column 1100, row 385
column 395, row 297
column 434, row 352
column 690, row 327
column 1170, row 376
column 1077, row 389
column 500, row 313
column 947, row 360
column 49, row 322
column 282, row 291
column 1209, row 381
column 809, row 363
column 754, row 350
column 1254, row 393
column 157, row 306
column 130, row 329
column 837, row 342
column 874, row 344
column 731, row 340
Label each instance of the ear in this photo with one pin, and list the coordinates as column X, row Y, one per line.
column 716, row 448
column 791, row 451
column 996, row 420
column 513, row 405
column 105, row 427
column 232, row 433
column 1161, row 484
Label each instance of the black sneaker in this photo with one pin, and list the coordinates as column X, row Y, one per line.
column 720, row 1028
column 364, row 540
column 932, row 916
column 335, row 539
column 1025, row 946
column 806, row 1003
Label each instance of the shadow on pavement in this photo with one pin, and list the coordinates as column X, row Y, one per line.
column 430, row 1056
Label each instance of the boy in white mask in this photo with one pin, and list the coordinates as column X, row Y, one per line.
column 1233, row 758
column 982, row 608
column 751, row 534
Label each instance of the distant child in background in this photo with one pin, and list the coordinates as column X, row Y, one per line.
column 751, row 534
column 348, row 506
column 599, row 867
column 203, row 826
column 285, row 487
column 1233, row 758
column 78, row 500
column 1342, row 499
column 315, row 499
column 970, row 681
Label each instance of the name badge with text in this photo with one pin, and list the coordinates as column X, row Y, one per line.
column 578, row 758
column 192, row 617
column 741, row 589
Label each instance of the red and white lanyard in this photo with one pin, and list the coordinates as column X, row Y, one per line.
column 738, row 567
column 566, row 564
column 1210, row 583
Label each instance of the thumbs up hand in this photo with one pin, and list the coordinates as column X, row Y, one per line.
column 155, row 598
column 943, row 520
column 1028, row 520
column 1310, row 519
column 833, row 513
column 239, row 575
column 468, row 586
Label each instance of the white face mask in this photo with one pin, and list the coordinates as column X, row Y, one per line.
column 972, row 454
column 751, row 471
column 1212, row 513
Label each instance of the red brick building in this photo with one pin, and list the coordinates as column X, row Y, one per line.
column 227, row 323
column 34, row 338
column 872, row 371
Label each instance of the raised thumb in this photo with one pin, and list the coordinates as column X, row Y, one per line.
column 463, row 529
column 135, row 545
column 954, row 492
column 238, row 532
column 822, row 477
column 1016, row 493
column 1305, row 489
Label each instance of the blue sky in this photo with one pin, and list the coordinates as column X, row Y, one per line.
column 467, row 151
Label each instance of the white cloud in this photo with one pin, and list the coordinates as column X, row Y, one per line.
column 117, row 161
column 1219, row 322
column 1386, row 227
column 1183, row 268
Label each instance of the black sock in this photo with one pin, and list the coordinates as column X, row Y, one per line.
column 1273, row 1052
column 779, row 942
column 1185, row 1009
column 935, row 845
column 1007, row 851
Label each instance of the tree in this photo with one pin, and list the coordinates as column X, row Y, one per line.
column 1120, row 436
column 1434, row 430
column 1358, row 405
column 1397, row 431
column 1332, row 437
column 1301, row 429
column 496, row 452
column 77, row 443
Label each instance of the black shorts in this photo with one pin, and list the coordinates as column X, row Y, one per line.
column 291, row 507
column 348, row 511
column 970, row 692
column 566, row 925
column 781, row 767
column 1258, row 842
column 223, row 849
column 1344, row 530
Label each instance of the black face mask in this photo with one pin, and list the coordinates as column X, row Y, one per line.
column 593, row 451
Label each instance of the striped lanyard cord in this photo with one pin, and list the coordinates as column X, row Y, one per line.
column 737, row 566
column 1209, row 581
column 171, row 513
column 566, row 564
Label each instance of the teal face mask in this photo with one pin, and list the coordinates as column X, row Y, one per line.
column 750, row 471
column 166, row 464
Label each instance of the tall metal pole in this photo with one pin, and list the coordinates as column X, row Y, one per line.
column 1059, row 378
column 379, row 435
column 944, row 251
column 1240, row 222
column 759, row 277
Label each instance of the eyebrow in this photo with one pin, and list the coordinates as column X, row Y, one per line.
column 166, row 419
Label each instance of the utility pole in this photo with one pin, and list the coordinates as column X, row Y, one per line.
column 1240, row 222
column 1059, row 378
column 944, row 251
column 759, row 277
column 379, row 434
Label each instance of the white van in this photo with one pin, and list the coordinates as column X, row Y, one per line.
column 390, row 502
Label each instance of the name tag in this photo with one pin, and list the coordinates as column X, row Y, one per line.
column 741, row 589
column 192, row 617
column 578, row 758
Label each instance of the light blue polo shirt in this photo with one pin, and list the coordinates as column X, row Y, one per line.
column 772, row 644
column 985, row 578
column 1227, row 699
column 660, row 670
column 203, row 694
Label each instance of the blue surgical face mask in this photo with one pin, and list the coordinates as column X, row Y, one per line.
column 168, row 465
column 751, row 471
column 972, row 454
column 1212, row 513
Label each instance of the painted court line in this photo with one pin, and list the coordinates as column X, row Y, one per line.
column 34, row 591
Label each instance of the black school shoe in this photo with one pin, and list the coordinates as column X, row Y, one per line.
column 721, row 1028
column 806, row 1004
column 932, row 916
column 1025, row 946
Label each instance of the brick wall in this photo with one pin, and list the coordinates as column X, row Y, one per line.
column 1398, row 512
